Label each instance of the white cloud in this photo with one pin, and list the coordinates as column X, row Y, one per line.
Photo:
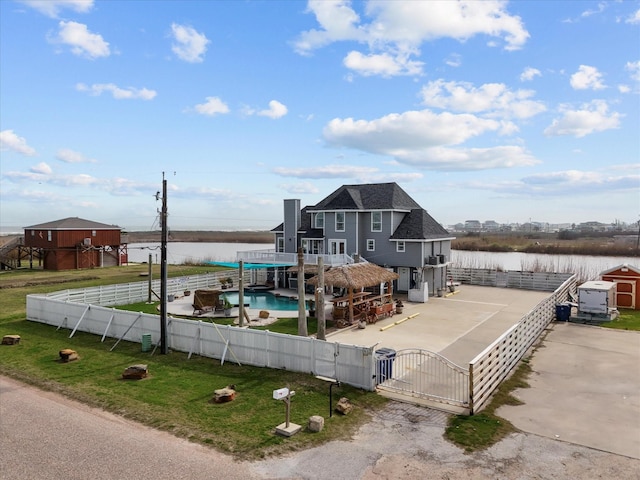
column 570, row 182
column 634, row 70
column 624, row 88
column 10, row 141
column 82, row 42
column 494, row 99
column 128, row 93
column 41, row 168
column 397, row 29
column 69, row 156
column 383, row 64
column 52, row 8
column 326, row 171
column 275, row 110
column 454, row 60
column 529, row 74
column 423, row 139
column 212, row 106
column 189, row 45
column 587, row 77
column 590, row 118
column 299, row 188
column 634, row 17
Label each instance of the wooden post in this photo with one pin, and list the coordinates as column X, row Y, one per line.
column 241, row 293
column 302, row 311
column 320, row 314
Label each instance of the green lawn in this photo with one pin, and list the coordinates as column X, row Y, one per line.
column 628, row 320
column 176, row 396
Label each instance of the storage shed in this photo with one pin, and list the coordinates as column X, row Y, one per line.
column 596, row 297
column 73, row 243
column 627, row 280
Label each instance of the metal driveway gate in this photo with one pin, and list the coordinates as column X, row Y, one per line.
column 418, row 373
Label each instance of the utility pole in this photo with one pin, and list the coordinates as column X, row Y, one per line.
column 164, row 348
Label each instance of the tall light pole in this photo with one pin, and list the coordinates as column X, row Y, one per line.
column 164, row 348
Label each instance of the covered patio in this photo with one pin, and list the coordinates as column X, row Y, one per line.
column 358, row 304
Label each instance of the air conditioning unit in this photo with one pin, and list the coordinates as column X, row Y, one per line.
column 442, row 258
column 87, row 242
column 433, row 260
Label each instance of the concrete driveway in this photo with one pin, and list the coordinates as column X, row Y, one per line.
column 585, row 389
column 459, row 326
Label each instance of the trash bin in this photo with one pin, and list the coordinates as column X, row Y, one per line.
column 563, row 312
column 146, row 342
column 384, row 364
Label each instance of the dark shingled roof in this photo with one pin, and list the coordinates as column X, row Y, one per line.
column 304, row 227
column 419, row 225
column 374, row 196
column 72, row 223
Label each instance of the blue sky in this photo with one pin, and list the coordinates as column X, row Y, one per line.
column 505, row 111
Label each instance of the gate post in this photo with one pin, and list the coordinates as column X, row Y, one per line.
column 471, row 389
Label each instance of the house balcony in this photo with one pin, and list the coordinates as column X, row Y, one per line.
column 289, row 259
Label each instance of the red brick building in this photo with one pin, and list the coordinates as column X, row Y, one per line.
column 73, row 243
column 627, row 279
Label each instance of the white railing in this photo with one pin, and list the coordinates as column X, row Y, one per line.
column 494, row 363
column 290, row 259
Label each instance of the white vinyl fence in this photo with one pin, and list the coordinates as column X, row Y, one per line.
column 87, row 310
column 78, row 310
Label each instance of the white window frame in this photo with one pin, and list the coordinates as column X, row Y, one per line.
column 280, row 245
column 374, row 222
column 343, row 222
column 319, row 220
column 400, row 247
column 371, row 245
column 48, row 235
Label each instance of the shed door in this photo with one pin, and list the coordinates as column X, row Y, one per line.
column 403, row 281
column 626, row 293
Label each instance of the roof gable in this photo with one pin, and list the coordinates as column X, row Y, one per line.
column 374, row 196
column 72, row 223
column 626, row 266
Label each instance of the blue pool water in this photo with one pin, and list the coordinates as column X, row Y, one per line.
column 264, row 301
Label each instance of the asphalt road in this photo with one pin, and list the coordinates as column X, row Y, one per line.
column 46, row 436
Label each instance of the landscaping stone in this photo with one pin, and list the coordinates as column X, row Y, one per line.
column 10, row 339
column 316, row 423
column 344, row 406
column 68, row 355
column 135, row 372
column 224, row 395
column 264, row 314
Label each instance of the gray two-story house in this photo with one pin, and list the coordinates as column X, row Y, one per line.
column 378, row 223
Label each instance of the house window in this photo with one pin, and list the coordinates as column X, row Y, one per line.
column 371, row 245
column 280, row 246
column 305, row 246
column 93, row 233
column 376, row 221
column 320, row 220
column 339, row 221
column 33, row 233
column 400, row 247
column 48, row 235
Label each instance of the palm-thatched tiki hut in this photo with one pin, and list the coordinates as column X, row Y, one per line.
column 355, row 277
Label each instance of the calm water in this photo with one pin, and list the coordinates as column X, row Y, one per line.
column 264, row 301
column 585, row 266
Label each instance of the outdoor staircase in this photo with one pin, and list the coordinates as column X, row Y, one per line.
column 7, row 260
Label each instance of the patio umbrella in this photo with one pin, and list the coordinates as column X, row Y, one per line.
column 355, row 276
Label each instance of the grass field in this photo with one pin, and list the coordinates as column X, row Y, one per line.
column 176, row 396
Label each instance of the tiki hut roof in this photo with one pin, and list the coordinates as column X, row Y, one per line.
column 356, row 275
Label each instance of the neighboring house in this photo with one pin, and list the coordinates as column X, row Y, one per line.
column 379, row 223
column 72, row 243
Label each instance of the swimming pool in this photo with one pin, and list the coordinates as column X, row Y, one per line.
column 264, row 301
